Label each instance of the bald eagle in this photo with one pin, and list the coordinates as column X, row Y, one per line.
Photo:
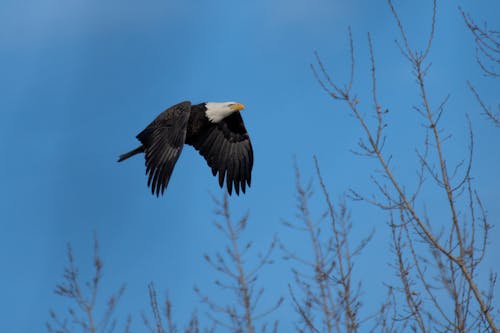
column 215, row 130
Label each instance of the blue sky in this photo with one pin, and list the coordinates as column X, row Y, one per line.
column 79, row 79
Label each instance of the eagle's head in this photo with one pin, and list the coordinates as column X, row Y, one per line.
column 216, row 111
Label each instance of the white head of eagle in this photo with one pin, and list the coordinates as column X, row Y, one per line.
column 218, row 111
column 215, row 130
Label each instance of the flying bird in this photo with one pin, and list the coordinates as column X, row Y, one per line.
column 215, row 130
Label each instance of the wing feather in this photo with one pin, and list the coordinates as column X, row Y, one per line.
column 228, row 151
column 221, row 161
column 241, row 170
column 236, row 175
column 230, row 168
column 163, row 141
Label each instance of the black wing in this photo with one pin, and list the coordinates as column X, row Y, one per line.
column 163, row 140
column 227, row 148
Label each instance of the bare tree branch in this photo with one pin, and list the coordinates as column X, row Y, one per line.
column 84, row 316
column 240, row 280
column 450, row 257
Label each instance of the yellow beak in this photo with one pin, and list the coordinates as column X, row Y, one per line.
column 238, row 106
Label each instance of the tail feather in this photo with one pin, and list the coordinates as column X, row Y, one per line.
column 131, row 153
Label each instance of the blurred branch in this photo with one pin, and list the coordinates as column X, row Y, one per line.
column 240, row 280
column 330, row 297
column 487, row 43
column 163, row 320
column 492, row 115
column 82, row 312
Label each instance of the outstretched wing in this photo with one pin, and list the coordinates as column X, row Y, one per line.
column 228, row 151
column 163, row 140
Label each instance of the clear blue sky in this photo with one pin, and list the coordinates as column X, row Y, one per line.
column 79, row 79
